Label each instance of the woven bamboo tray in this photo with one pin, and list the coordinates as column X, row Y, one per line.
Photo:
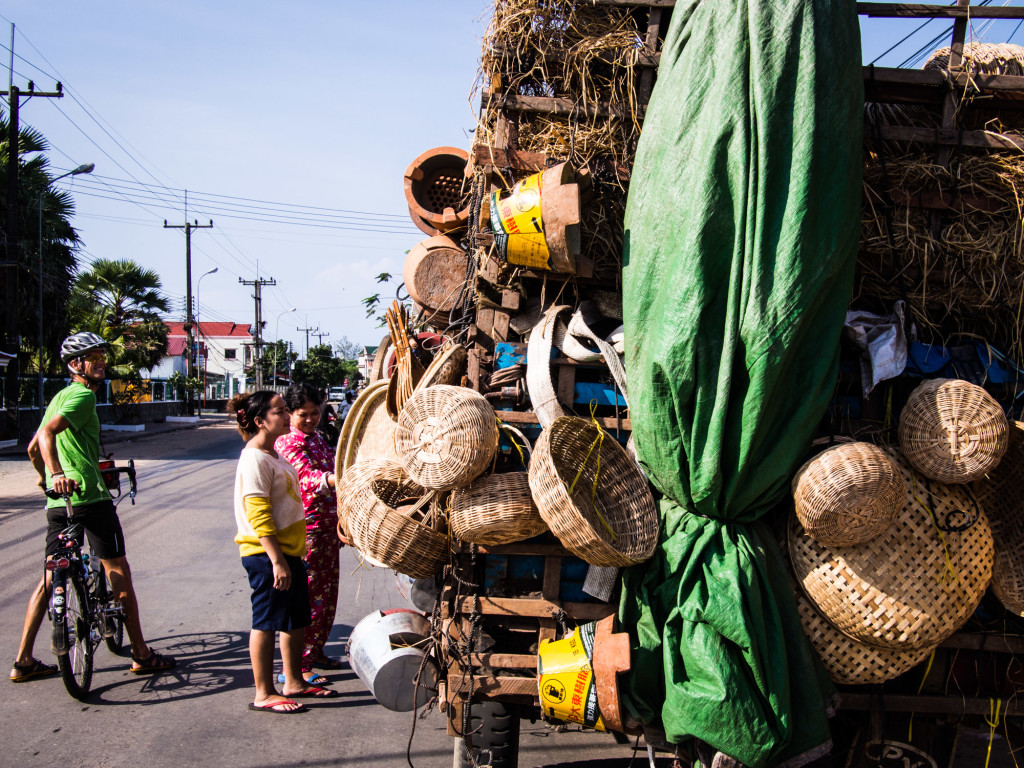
column 609, row 517
column 372, row 493
column 899, row 590
column 368, row 431
column 848, row 661
column 952, row 431
column 848, row 494
column 495, row 509
column 446, row 437
column 1001, row 495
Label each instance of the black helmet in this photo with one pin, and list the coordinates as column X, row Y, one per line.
column 80, row 344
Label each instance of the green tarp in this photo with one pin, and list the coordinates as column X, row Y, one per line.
column 741, row 234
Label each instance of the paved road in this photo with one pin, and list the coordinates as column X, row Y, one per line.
column 195, row 604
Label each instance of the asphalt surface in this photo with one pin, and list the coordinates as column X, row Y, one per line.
column 194, row 601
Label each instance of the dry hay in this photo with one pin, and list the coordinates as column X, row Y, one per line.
column 587, row 54
column 982, row 58
column 969, row 280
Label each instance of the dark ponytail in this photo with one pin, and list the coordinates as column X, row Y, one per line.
column 246, row 407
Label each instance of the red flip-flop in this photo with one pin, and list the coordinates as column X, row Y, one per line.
column 316, row 692
column 273, row 708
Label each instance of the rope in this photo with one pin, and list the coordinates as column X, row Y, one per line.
column 598, row 441
column 994, row 705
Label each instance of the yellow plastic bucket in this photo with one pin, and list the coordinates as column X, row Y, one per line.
column 566, row 678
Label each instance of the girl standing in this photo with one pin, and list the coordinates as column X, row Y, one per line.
column 272, row 540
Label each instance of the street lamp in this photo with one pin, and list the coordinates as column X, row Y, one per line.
column 276, row 339
column 199, row 331
column 85, row 168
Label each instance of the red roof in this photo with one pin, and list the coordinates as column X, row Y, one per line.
column 175, row 345
column 211, row 330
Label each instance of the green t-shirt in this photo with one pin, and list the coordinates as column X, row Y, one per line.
column 79, row 445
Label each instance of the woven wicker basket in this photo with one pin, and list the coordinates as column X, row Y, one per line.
column 495, row 509
column 371, row 493
column 1001, row 495
column 952, row 431
column 446, row 368
column 446, row 437
column 848, row 661
column 900, row 590
column 609, row 492
column 848, row 494
column 368, row 431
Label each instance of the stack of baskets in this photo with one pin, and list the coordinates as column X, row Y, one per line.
column 893, row 550
column 403, row 493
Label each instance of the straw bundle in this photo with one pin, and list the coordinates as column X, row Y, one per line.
column 408, row 370
column 848, row 494
column 446, row 436
column 952, row 431
column 592, row 494
column 389, row 519
column 913, row 585
column 982, row 58
column 1001, row 494
column 495, row 509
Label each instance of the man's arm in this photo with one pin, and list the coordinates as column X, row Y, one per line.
column 43, row 453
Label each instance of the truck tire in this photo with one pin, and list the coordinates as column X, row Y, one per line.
column 495, row 729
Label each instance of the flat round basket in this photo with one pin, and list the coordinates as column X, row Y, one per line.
column 592, row 494
column 446, row 437
column 952, row 431
column 913, row 585
column 848, row 661
column 848, row 493
column 388, row 519
column 1001, row 495
column 368, row 431
column 495, row 509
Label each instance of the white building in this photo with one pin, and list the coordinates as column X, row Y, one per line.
column 224, row 350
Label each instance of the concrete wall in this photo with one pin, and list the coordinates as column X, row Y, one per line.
column 29, row 418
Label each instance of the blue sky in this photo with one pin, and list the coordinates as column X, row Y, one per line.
column 300, row 112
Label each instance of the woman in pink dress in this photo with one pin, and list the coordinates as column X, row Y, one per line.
column 308, row 452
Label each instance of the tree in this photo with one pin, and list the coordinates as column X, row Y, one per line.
column 322, row 369
column 347, row 350
column 276, row 353
column 121, row 301
column 59, row 245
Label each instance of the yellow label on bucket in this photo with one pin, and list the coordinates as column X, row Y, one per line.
column 567, row 689
column 518, row 225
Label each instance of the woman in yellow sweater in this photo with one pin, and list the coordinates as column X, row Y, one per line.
column 272, row 541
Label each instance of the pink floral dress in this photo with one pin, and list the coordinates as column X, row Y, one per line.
column 313, row 461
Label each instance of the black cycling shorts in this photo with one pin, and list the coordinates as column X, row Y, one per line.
column 101, row 524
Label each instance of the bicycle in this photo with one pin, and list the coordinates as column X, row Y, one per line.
column 82, row 606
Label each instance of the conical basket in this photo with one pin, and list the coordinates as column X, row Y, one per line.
column 495, row 509
column 1001, row 495
column 592, row 494
column 913, row 585
column 372, row 493
column 952, row 431
column 848, row 494
column 446, row 437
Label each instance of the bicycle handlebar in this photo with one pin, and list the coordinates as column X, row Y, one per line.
column 132, row 482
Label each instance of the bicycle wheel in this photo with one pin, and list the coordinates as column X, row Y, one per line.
column 113, row 619
column 76, row 663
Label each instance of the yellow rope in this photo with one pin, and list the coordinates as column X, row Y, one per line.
column 927, row 670
column 511, row 438
column 597, row 470
column 935, row 522
column 994, row 705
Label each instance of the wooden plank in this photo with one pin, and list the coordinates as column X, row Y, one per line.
column 538, row 608
column 556, row 550
column 504, row 660
column 525, row 417
column 920, row 10
column 637, row 3
column 980, row 139
column 650, row 55
column 566, row 388
column 562, row 106
column 993, row 642
column 552, row 585
column 485, row 685
column 953, row 705
column 515, row 159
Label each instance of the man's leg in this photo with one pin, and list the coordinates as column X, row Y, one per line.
column 33, row 619
column 120, row 575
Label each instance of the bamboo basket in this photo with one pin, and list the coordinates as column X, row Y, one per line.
column 848, row 661
column 495, row 509
column 368, row 431
column 608, row 518
column 952, row 431
column 1000, row 495
column 848, row 494
column 912, row 586
column 446, row 437
column 389, row 519
column 446, row 368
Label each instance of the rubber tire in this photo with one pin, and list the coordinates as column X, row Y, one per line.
column 495, row 729
column 81, row 648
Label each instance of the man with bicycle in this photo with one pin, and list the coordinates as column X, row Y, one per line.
column 65, row 452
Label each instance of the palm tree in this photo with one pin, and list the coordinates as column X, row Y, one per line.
column 121, row 301
column 59, row 244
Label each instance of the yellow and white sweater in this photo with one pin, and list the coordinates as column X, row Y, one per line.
column 267, row 503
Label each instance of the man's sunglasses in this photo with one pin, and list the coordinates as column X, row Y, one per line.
column 95, row 357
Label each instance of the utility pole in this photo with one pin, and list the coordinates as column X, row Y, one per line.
column 319, row 336
column 308, row 331
column 190, row 353
column 258, row 284
column 10, row 339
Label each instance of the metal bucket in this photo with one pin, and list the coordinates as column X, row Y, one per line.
column 386, row 650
